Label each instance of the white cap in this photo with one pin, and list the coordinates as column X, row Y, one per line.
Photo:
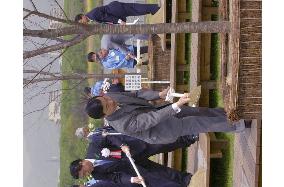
column 79, row 133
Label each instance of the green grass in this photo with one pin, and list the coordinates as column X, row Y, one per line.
column 221, row 174
column 72, row 103
column 152, row 1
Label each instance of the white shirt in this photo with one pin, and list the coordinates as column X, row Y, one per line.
column 176, row 108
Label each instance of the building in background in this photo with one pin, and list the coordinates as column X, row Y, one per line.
column 54, row 106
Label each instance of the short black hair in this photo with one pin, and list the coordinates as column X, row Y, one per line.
column 78, row 17
column 75, row 185
column 75, row 167
column 87, row 90
column 94, row 108
column 90, row 56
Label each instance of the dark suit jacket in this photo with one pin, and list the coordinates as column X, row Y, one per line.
column 138, row 148
column 117, row 10
column 116, row 88
column 155, row 175
column 140, row 119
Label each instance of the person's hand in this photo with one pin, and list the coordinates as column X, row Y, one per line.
column 163, row 93
column 125, row 149
column 129, row 56
column 137, row 180
column 183, row 100
column 115, row 81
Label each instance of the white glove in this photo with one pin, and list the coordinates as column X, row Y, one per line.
column 105, row 152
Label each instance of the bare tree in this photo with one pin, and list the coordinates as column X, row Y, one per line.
column 81, row 31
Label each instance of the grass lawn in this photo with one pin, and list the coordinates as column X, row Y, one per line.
column 72, row 106
column 70, row 147
column 93, row 42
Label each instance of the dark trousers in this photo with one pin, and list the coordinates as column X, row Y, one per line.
column 136, row 9
column 162, row 176
column 152, row 149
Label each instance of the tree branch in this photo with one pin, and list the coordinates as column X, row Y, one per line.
column 76, row 40
column 51, row 17
column 33, row 5
column 53, row 33
column 41, row 72
column 45, row 67
column 62, row 10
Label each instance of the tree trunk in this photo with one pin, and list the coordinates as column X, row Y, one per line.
column 186, row 27
column 85, row 31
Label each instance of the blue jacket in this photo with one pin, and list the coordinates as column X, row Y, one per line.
column 116, row 59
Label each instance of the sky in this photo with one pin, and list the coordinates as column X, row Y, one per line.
column 41, row 157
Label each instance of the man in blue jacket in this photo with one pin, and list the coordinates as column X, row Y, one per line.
column 116, row 12
column 114, row 58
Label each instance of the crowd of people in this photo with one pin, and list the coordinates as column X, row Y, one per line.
column 134, row 126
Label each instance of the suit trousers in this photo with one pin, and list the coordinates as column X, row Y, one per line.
column 189, row 121
column 164, row 175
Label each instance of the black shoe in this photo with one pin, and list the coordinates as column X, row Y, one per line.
column 145, row 63
column 186, row 179
column 248, row 123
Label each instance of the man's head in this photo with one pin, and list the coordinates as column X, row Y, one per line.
column 82, row 132
column 93, row 57
column 81, row 168
column 81, row 18
column 80, row 185
column 98, row 107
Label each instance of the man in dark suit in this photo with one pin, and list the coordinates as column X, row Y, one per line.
column 131, row 114
column 111, row 147
column 116, row 12
column 121, row 172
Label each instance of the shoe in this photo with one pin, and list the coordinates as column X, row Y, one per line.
column 240, row 125
column 248, row 123
column 186, row 178
column 145, row 63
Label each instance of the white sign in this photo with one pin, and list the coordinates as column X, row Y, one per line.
column 132, row 82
